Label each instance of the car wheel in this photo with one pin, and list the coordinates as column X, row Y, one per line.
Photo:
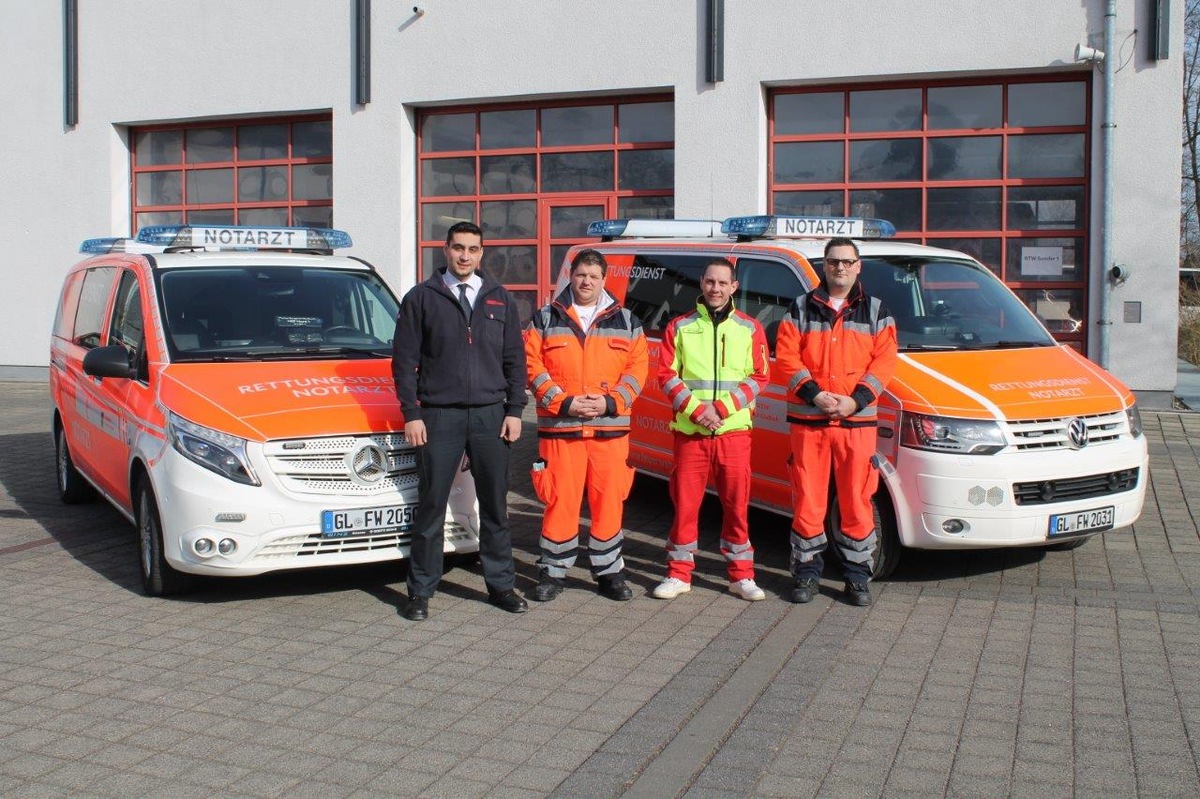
column 72, row 488
column 158, row 577
column 888, row 550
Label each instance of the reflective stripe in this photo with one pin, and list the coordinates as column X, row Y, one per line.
column 737, row 552
column 556, row 557
column 632, row 382
column 874, row 384
column 549, row 396
column 854, row 551
column 574, row 422
column 606, row 560
column 540, row 381
column 712, row 385
column 805, row 549
column 625, row 394
column 797, row 379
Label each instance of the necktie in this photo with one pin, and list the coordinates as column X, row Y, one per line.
column 462, row 299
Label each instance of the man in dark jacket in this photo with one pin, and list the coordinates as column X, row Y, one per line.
column 459, row 367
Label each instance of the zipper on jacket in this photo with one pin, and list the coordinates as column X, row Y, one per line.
column 716, row 366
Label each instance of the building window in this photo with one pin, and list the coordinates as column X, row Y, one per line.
column 995, row 168
column 254, row 172
column 533, row 176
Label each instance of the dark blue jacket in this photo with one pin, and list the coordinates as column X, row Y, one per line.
column 439, row 358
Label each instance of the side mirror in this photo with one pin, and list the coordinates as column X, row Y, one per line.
column 110, row 361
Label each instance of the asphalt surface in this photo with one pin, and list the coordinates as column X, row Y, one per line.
column 1018, row 672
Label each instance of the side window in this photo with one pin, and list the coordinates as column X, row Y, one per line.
column 662, row 287
column 68, row 304
column 126, row 327
column 93, row 302
column 766, row 290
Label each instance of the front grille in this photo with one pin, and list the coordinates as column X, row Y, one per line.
column 318, row 465
column 313, row 544
column 1042, row 434
column 1072, row 488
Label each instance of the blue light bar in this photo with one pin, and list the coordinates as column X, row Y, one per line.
column 100, row 246
column 607, row 228
column 807, row 227
column 654, row 228
column 236, row 237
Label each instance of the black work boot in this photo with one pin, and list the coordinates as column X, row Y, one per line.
column 858, row 594
column 548, row 587
column 805, row 590
column 614, row 587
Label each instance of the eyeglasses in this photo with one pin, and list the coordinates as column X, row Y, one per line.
column 836, row 262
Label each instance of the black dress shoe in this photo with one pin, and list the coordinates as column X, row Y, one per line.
column 416, row 609
column 614, row 587
column 509, row 601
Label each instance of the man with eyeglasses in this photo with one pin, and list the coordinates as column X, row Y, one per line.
column 837, row 348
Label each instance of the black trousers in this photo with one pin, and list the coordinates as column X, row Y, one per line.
column 451, row 432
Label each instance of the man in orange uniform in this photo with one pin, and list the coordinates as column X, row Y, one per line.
column 837, row 347
column 712, row 364
column 587, row 363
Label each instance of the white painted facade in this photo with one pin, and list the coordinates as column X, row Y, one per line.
column 144, row 61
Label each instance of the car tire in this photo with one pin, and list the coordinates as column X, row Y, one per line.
column 72, row 487
column 888, row 550
column 158, row 576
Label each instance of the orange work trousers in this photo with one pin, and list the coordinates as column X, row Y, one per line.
column 573, row 465
column 843, row 455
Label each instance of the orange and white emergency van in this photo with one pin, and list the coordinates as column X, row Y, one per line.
column 229, row 390
column 991, row 434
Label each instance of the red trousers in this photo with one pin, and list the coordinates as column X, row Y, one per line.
column 573, row 465
column 842, row 454
column 727, row 458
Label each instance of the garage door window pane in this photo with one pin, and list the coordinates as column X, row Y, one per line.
column 646, row 169
column 312, row 139
column 646, row 208
column 986, row 251
column 887, row 109
column 312, row 182
column 965, row 158
column 901, row 207
column 589, row 124
column 158, row 188
column 571, row 221
column 262, row 183
column 1054, row 156
column 262, row 142
column 577, row 171
column 159, row 218
column 446, row 132
column 206, row 145
column 508, row 174
column 211, row 216
column 887, row 159
column 963, row 209
column 511, row 264
column 1042, row 207
column 509, row 220
column 1032, row 104
column 447, row 176
column 210, row 186
column 438, row 217
column 313, row 216
column 500, row 130
column 809, row 162
column 159, row 147
column 642, row 122
column 798, row 114
column 1061, row 310
column 809, row 203
column 955, row 107
column 263, row 216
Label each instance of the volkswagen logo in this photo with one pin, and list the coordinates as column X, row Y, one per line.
column 1077, row 433
column 367, row 463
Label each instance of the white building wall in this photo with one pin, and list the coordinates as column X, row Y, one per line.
column 177, row 60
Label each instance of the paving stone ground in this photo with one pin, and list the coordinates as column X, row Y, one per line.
column 1021, row 672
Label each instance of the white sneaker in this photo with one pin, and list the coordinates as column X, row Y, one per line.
column 671, row 588
column 747, row 590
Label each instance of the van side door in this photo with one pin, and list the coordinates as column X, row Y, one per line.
column 87, row 415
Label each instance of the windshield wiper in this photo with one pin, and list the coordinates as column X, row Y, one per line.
column 1008, row 344
column 365, row 351
column 930, row 347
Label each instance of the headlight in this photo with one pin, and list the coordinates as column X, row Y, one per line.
column 1135, row 420
column 946, row 434
column 212, row 449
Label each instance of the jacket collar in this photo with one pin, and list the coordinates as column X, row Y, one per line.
column 438, row 281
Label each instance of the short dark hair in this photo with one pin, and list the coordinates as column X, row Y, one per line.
column 590, row 257
column 841, row 241
column 722, row 262
column 463, row 227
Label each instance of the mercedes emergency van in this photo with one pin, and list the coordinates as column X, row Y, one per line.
column 229, row 390
column 991, row 434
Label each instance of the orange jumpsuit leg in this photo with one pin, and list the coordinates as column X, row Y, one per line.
column 809, row 470
column 609, row 478
column 560, row 487
column 856, row 479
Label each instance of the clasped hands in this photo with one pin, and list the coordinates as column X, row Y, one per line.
column 837, row 406
column 588, row 406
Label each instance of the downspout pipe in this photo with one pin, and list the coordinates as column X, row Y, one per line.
column 1106, row 153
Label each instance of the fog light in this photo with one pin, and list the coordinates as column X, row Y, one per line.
column 227, row 546
column 954, row 525
column 203, row 546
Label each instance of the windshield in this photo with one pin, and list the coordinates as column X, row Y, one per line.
column 265, row 312
column 943, row 304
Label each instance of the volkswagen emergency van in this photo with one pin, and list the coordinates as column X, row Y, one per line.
column 991, row 434
column 229, row 390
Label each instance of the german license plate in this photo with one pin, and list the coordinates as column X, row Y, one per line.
column 1084, row 521
column 390, row 519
